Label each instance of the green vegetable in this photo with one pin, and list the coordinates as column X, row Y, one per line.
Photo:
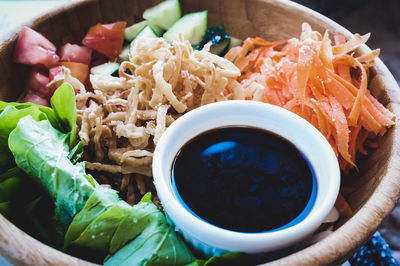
column 233, row 258
column 76, row 152
column 8, row 188
column 61, row 117
column 100, row 201
column 10, row 113
column 192, row 26
column 42, row 152
column 107, row 223
column 157, row 30
column 235, row 42
column 132, row 31
column 156, row 245
column 63, row 103
column 75, row 208
column 219, row 39
column 124, row 55
column 12, row 172
column 22, row 198
column 23, row 203
column 104, row 223
column 164, row 14
column 106, row 69
column 147, row 32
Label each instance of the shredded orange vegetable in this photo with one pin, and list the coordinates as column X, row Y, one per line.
column 320, row 81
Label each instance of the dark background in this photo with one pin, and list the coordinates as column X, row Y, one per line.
column 382, row 19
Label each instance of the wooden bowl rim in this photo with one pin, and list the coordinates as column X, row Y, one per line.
column 335, row 248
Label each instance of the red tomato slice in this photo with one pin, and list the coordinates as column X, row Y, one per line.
column 75, row 53
column 34, row 49
column 37, row 82
column 107, row 39
column 78, row 70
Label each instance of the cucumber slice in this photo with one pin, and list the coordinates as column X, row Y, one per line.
column 106, row 69
column 157, row 30
column 164, row 14
column 219, row 40
column 235, row 42
column 132, row 31
column 146, row 32
column 193, row 26
column 220, row 48
column 124, row 55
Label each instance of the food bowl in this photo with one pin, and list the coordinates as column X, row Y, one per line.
column 212, row 240
column 377, row 183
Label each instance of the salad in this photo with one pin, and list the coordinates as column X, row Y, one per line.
column 78, row 146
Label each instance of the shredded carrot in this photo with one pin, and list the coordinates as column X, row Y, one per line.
column 344, row 71
column 369, row 57
column 322, row 82
column 326, row 52
column 233, row 53
column 339, row 38
column 351, row 44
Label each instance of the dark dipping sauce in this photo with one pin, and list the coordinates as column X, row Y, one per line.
column 244, row 179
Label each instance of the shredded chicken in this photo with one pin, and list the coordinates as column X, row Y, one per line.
column 121, row 121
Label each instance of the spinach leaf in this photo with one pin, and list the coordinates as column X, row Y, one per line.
column 23, row 202
column 61, row 117
column 10, row 113
column 233, row 258
column 63, row 103
column 9, row 188
column 158, row 244
column 107, row 224
column 100, row 201
column 12, row 172
column 76, row 152
column 42, row 152
column 98, row 219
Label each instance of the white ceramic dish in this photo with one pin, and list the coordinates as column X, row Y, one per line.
column 212, row 240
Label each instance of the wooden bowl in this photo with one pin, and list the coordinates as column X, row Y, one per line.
column 378, row 181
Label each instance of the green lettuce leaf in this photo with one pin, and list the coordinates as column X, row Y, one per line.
column 76, row 152
column 23, row 202
column 42, row 152
column 63, row 103
column 100, row 201
column 10, row 113
column 106, row 224
column 61, row 117
column 12, row 172
column 9, row 188
column 233, row 258
column 158, row 244
column 88, row 215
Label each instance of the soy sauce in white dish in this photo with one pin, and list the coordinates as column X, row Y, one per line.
column 244, row 179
